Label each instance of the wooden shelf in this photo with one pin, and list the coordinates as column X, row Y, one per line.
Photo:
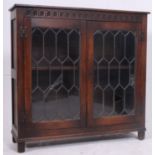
column 71, row 68
column 54, row 68
column 114, row 67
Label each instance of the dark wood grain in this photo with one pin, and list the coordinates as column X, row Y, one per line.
column 92, row 27
column 68, row 8
column 87, row 21
column 55, row 24
column 21, row 147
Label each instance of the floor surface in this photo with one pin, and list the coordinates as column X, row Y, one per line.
column 115, row 146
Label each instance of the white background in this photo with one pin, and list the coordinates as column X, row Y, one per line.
column 120, row 146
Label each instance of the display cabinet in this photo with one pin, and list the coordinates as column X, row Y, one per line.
column 77, row 74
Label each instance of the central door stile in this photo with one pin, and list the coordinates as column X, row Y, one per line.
column 89, row 76
column 83, row 74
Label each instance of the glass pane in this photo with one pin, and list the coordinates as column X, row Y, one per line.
column 55, row 74
column 108, row 101
column 108, row 45
column 98, row 45
column 76, row 74
column 37, row 44
column 43, row 74
column 130, row 46
column 114, row 73
column 68, row 74
column 124, row 73
column 119, row 100
column 74, row 45
column 50, row 44
column 98, row 98
column 103, row 73
column 62, row 45
column 34, row 75
column 119, row 46
column 129, row 99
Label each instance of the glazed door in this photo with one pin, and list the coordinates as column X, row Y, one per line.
column 112, row 68
column 54, row 68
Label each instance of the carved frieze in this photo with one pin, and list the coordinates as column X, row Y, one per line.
column 82, row 14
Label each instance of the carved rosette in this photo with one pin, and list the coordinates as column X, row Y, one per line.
column 85, row 15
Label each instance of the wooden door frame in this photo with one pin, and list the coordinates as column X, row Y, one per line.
column 57, row 23
column 112, row 120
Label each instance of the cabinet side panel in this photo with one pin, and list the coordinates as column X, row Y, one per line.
column 20, row 72
column 141, row 73
column 143, row 70
column 17, row 63
column 13, row 22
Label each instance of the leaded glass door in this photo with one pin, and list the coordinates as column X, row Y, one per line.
column 56, row 88
column 112, row 72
